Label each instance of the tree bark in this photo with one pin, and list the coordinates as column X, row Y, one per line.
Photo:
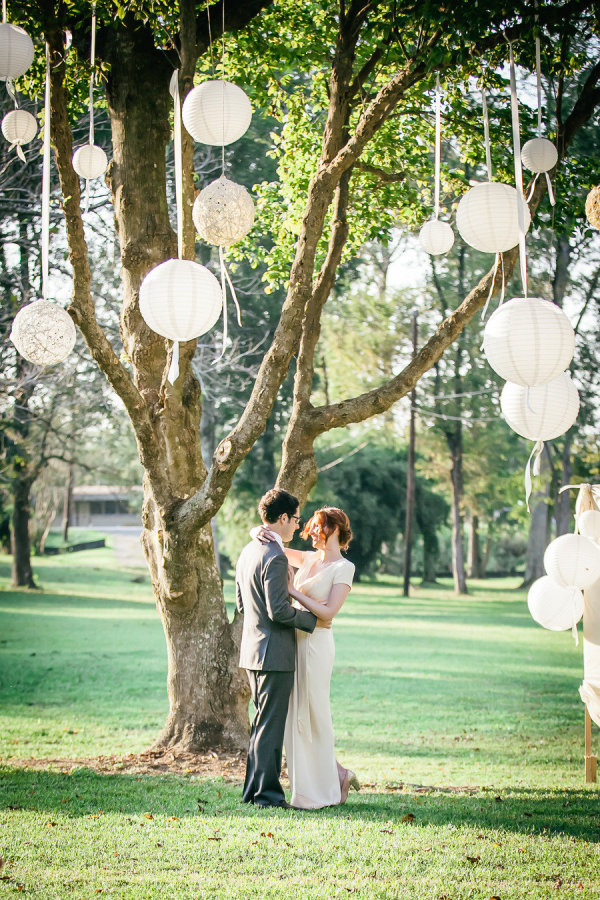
column 454, row 441
column 474, row 550
column 67, row 505
column 22, row 573
column 410, row 477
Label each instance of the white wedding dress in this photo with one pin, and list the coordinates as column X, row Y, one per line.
column 309, row 741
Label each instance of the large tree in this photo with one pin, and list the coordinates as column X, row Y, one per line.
column 360, row 72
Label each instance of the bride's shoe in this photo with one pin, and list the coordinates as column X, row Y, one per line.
column 353, row 780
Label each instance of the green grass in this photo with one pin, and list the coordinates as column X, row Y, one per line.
column 434, row 690
column 76, row 536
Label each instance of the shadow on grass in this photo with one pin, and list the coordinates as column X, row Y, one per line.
column 83, row 793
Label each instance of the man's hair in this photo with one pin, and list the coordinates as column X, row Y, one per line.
column 276, row 503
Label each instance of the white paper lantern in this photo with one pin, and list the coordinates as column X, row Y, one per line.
column 488, row 219
column 436, row 237
column 43, row 333
column 16, row 51
column 19, row 127
column 180, row 299
column 529, row 341
column 90, row 161
column 539, row 155
column 572, row 559
column 543, row 412
column 223, row 212
column 216, row 112
column 554, row 606
column 588, row 523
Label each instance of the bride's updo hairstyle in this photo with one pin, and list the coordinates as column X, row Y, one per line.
column 327, row 519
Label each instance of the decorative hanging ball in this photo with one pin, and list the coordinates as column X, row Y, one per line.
column 216, row 112
column 529, row 341
column 436, row 237
column 223, row 212
column 488, row 217
column 90, row 161
column 16, row 51
column 588, row 523
column 592, row 207
column 572, row 559
column 180, row 299
column 19, row 127
column 539, row 155
column 43, row 333
column 553, row 606
column 543, row 412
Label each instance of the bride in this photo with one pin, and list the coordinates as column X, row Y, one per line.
column 321, row 584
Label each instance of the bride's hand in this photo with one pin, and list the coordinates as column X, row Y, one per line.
column 291, row 574
column 262, row 535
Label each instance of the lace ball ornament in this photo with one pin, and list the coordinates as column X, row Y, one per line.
column 223, row 212
column 488, row 217
column 16, row 51
column 529, row 341
column 90, row 161
column 592, row 207
column 180, row 299
column 543, row 412
column 554, row 606
column 19, row 127
column 572, row 559
column 43, row 333
column 539, row 155
column 436, row 237
column 216, row 112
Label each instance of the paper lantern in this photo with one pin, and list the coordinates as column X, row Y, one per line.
column 539, row 155
column 436, row 237
column 90, row 161
column 43, row 333
column 588, row 523
column 487, row 217
column 16, row 51
column 19, row 127
column 592, row 207
column 223, row 212
column 529, row 341
column 180, row 299
column 216, row 112
column 572, row 559
column 554, row 606
column 543, row 412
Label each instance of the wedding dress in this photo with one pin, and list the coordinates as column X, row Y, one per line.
column 309, row 741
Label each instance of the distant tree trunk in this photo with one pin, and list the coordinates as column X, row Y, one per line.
column 429, row 561
column 538, row 524
column 454, row 440
column 562, row 503
column 475, row 567
column 410, row 476
column 489, row 540
column 67, row 505
column 22, row 573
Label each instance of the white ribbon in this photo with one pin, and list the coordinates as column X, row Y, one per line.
column 225, row 277
column 535, row 455
column 514, row 104
column 46, row 182
column 438, row 144
column 174, row 367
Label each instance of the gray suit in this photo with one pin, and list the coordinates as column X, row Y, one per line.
column 268, row 652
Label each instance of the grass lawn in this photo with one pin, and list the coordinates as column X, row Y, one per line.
column 76, row 536
column 432, row 690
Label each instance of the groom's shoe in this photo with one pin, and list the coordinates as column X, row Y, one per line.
column 284, row 805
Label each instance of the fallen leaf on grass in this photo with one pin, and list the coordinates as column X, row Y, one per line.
column 51, row 824
column 498, row 799
column 386, row 830
column 148, row 816
column 580, row 886
column 267, row 834
column 495, row 897
column 557, row 883
column 473, row 859
column 408, row 817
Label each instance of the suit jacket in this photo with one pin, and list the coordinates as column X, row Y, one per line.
column 261, row 590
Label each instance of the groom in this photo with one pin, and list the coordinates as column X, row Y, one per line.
column 268, row 647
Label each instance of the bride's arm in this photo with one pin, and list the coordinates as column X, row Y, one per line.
column 295, row 557
column 330, row 607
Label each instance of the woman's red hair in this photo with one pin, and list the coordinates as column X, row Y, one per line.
column 327, row 519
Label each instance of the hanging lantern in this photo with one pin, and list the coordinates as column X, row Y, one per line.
column 572, row 559
column 436, row 237
column 90, row 161
column 180, row 299
column 488, row 219
column 543, row 412
column 19, row 127
column 216, row 112
column 16, row 51
column 588, row 523
column 529, row 341
column 592, row 207
column 554, row 606
column 223, row 212
column 539, row 155
column 43, row 333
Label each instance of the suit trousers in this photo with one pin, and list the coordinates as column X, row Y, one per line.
column 271, row 694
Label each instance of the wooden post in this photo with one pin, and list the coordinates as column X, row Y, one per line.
column 591, row 762
column 410, row 474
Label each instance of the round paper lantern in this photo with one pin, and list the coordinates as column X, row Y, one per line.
column 539, row 155
column 529, row 341
column 436, row 237
column 555, row 607
column 487, row 217
column 180, row 299
column 43, row 333
column 16, row 51
column 572, row 559
column 223, row 212
column 543, row 412
column 19, row 127
column 592, row 207
column 90, row 161
column 216, row 112
column 588, row 523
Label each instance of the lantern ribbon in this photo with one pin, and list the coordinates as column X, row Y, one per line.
column 538, row 72
column 46, row 181
column 514, row 104
column 535, row 456
column 173, row 374
column 225, row 277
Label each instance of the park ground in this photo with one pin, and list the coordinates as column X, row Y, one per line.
column 460, row 715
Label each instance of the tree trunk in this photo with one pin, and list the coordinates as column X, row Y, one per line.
column 67, row 505
column 22, row 573
column 410, row 477
column 454, row 440
column 474, row 552
column 429, row 562
column 538, row 524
